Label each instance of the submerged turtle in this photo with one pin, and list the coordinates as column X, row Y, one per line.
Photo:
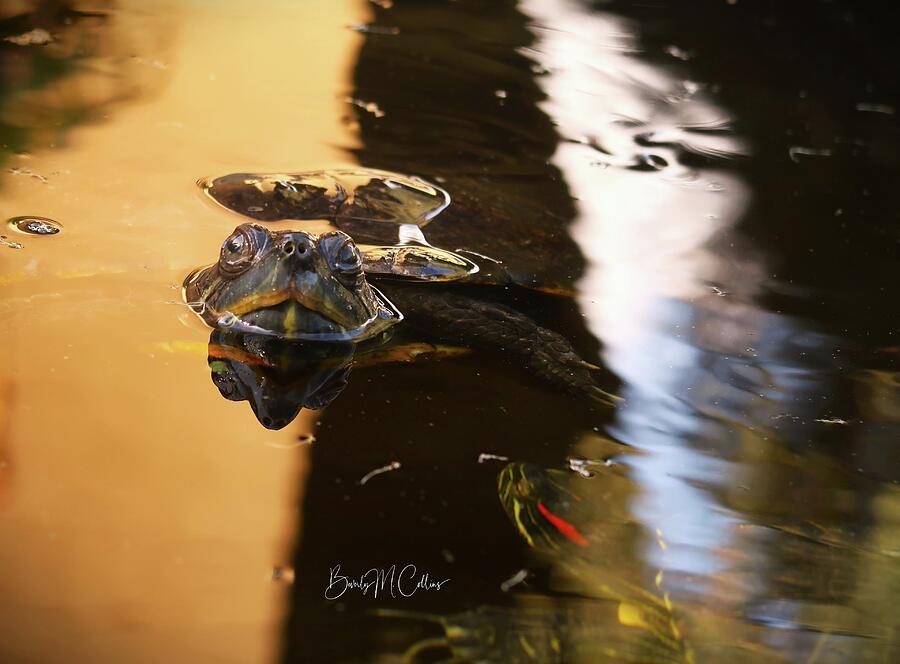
column 601, row 611
column 304, row 287
column 604, row 606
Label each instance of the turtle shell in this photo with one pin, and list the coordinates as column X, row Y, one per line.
column 477, row 238
column 341, row 195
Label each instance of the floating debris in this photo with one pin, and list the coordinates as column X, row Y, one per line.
column 306, row 439
column 832, row 420
column 27, row 172
column 580, row 466
column 36, row 37
column 393, row 465
column 284, row 575
column 368, row 28
column 514, row 580
column 679, row 53
column 156, row 64
column 491, row 457
column 875, row 108
column 718, row 291
column 12, row 245
column 367, row 106
column 35, row 225
column 795, row 151
column 384, row 4
column 500, row 94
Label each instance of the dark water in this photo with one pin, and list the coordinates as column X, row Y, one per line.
column 700, row 197
column 759, row 456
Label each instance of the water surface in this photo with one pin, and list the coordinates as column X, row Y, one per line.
column 704, row 192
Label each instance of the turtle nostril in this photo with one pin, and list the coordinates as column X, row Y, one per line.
column 301, row 249
column 289, row 247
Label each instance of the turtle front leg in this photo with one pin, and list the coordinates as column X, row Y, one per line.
column 459, row 319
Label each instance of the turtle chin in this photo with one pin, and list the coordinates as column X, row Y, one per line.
column 288, row 320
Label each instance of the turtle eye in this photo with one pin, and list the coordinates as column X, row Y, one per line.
column 343, row 257
column 237, row 252
column 348, row 259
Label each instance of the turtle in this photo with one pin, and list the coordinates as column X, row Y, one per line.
column 600, row 612
column 295, row 286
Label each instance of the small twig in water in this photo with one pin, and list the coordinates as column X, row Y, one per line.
column 491, row 457
column 514, row 580
column 393, row 465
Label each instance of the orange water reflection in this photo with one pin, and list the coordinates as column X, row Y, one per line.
column 146, row 512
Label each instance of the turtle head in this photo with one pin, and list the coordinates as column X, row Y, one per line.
column 291, row 284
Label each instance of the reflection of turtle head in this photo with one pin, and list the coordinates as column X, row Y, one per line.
column 290, row 284
column 278, row 377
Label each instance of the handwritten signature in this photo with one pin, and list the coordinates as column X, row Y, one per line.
column 403, row 583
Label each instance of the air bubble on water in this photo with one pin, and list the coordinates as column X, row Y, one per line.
column 715, row 186
column 35, row 225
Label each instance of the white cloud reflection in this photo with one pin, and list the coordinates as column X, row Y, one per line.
column 646, row 226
